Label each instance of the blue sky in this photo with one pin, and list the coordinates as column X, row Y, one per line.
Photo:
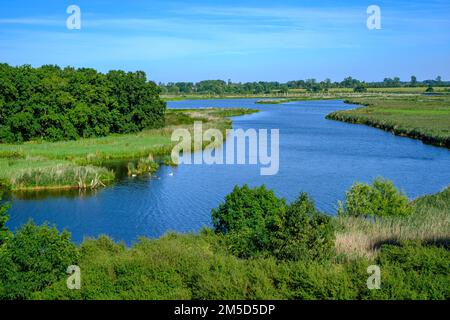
column 238, row 40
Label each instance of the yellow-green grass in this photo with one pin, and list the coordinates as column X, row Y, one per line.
column 426, row 118
column 429, row 222
column 40, row 165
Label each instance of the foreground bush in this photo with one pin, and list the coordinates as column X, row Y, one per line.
column 199, row 267
column 305, row 233
column 378, row 200
column 256, row 222
column 33, row 259
column 4, row 217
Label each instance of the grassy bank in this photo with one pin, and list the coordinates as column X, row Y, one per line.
column 80, row 163
column 425, row 118
column 203, row 265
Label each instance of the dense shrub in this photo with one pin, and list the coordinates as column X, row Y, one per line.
column 58, row 104
column 378, row 200
column 256, row 222
column 34, row 258
column 4, row 217
column 411, row 270
column 249, row 217
column 305, row 233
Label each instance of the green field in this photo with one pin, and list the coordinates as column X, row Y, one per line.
column 69, row 164
column 426, row 118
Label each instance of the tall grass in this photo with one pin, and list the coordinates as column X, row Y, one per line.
column 62, row 176
column 429, row 222
column 38, row 164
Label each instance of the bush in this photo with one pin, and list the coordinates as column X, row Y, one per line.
column 34, row 258
column 4, row 217
column 380, row 199
column 256, row 223
column 412, row 270
column 305, row 233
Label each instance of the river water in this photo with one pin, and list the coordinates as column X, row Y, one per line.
column 321, row 157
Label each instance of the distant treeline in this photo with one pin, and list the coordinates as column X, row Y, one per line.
column 51, row 103
column 312, row 85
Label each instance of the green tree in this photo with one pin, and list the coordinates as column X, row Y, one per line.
column 360, row 87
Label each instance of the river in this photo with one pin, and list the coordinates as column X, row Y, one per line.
column 321, row 157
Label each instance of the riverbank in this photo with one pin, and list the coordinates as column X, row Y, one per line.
column 303, row 94
column 81, row 163
column 413, row 263
column 425, row 118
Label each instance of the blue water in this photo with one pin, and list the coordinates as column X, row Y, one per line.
column 319, row 156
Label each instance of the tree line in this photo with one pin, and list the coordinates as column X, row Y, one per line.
column 219, row 87
column 51, row 103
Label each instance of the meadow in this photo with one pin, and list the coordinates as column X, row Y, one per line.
column 420, row 117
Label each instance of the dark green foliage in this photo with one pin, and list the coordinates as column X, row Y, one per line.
column 249, row 217
column 378, row 200
column 60, row 104
column 294, row 265
column 305, row 233
column 360, row 87
column 34, row 258
column 4, row 217
column 256, row 223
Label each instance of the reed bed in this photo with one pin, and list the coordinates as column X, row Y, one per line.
column 430, row 223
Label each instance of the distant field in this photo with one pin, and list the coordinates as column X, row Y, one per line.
column 426, row 118
column 34, row 165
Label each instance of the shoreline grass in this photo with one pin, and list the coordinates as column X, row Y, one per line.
column 429, row 223
column 31, row 165
column 425, row 118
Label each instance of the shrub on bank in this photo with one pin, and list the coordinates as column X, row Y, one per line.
column 377, row 200
column 256, row 222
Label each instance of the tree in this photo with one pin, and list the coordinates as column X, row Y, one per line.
column 361, row 87
column 51, row 103
column 413, row 81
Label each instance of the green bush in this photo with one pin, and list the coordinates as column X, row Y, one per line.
column 34, row 258
column 249, row 217
column 378, row 200
column 305, row 233
column 4, row 217
column 256, row 222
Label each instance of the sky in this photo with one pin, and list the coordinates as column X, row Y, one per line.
column 239, row 40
